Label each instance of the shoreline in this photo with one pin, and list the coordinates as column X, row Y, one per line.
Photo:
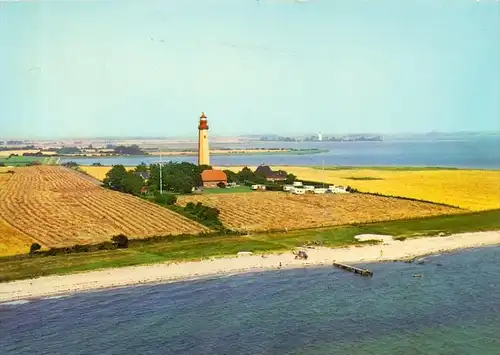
column 175, row 154
column 389, row 250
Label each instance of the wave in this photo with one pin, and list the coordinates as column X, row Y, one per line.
column 15, row 303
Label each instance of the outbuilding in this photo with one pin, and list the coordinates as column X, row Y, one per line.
column 271, row 175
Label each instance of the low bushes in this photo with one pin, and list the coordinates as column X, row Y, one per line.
column 121, row 241
column 201, row 211
column 165, row 199
column 208, row 216
column 34, row 247
column 352, row 190
column 117, row 242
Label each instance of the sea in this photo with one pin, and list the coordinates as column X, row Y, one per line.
column 452, row 308
column 471, row 153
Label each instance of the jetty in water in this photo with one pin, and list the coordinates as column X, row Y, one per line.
column 362, row 272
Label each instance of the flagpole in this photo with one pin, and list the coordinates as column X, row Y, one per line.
column 161, row 177
column 323, row 179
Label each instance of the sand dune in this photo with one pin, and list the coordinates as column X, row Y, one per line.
column 127, row 276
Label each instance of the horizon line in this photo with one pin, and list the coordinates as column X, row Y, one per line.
column 248, row 135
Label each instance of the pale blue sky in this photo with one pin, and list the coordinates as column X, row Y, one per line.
column 128, row 68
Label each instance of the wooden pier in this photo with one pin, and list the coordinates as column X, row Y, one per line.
column 362, row 272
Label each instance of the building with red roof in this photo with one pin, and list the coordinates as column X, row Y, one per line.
column 211, row 178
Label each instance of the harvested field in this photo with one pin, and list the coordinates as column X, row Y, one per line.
column 279, row 211
column 475, row 190
column 58, row 207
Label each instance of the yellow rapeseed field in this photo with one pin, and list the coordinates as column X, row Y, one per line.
column 98, row 172
column 474, row 190
column 13, row 241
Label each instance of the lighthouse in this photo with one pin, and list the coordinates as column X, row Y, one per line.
column 203, row 149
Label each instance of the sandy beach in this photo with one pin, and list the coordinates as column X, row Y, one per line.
column 108, row 278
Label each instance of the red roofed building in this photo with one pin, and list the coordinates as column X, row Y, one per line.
column 211, row 178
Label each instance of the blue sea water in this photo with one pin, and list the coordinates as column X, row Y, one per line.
column 474, row 153
column 453, row 309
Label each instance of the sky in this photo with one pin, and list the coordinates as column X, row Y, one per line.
column 149, row 68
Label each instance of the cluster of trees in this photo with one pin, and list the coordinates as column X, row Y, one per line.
column 118, row 150
column 129, row 150
column 119, row 179
column 176, row 177
column 208, row 216
column 68, row 150
column 247, row 176
column 70, row 164
column 6, row 149
column 37, row 154
column 167, row 199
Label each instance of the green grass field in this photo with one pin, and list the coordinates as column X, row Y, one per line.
column 199, row 247
column 231, row 190
column 22, row 161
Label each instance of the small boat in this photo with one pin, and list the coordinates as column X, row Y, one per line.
column 418, row 275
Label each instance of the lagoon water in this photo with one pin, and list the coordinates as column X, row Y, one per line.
column 474, row 153
column 453, row 309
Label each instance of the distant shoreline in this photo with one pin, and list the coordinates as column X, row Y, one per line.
column 232, row 152
column 390, row 250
